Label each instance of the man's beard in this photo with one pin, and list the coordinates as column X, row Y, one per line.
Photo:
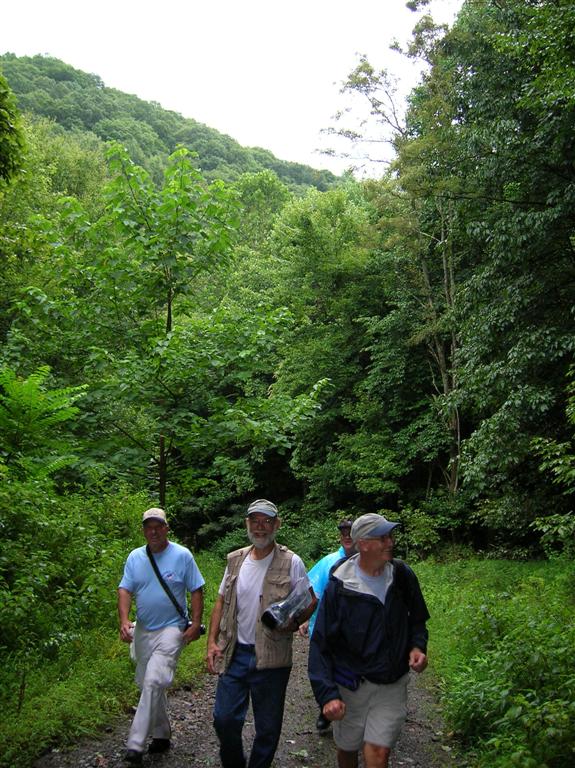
column 262, row 543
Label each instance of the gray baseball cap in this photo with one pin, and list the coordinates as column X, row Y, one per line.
column 371, row 526
column 263, row 507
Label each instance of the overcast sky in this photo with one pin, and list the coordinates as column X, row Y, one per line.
column 266, row 72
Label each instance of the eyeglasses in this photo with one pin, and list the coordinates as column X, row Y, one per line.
column 261, row 522
column 155, row 528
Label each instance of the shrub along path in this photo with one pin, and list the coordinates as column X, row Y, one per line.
column 423, row 743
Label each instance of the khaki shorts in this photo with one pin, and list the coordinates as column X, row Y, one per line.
column 373, row 713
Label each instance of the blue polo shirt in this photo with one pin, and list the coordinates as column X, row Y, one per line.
column 319, row 576
column 154, row 609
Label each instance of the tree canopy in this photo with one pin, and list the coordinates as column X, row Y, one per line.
column 400, row 344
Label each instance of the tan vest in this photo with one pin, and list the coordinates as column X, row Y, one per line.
column 273, row 649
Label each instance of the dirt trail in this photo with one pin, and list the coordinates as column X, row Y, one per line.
column 422, row 744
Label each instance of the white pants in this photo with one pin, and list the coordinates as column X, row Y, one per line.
column 157, row 655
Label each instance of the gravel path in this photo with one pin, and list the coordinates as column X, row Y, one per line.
column 423, row 743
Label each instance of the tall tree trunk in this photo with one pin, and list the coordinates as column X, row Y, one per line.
column 442, row 350
column 169, row 311
column 162, row 471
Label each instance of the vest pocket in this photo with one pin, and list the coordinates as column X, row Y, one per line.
column 227, row 619
column 278, row 588
column 229, row 588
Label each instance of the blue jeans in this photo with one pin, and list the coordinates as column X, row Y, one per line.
column 267, row 688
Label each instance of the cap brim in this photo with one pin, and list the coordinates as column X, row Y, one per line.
column 261, row 512
column 382, row 530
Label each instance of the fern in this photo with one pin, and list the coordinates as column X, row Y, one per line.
column 30, row 415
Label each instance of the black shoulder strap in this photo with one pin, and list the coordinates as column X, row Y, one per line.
column 165, row 587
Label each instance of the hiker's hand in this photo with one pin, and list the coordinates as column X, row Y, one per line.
column 303, row 629
column 213, row 657
column 288, row 628
column 192, row 632
column 417, row 660
column 127, row 631
column 333, row 710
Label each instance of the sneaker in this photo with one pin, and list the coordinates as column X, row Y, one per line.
column 133, row 757
column 158, row 745
column 322, row 723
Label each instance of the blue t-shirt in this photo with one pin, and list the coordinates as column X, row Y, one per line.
column 319, row 576
column 154, row 609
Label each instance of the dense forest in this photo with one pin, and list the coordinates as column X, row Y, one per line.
column 403, row 343
column 193, row 323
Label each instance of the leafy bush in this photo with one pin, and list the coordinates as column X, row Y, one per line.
column 504, row 652
column 557, row 533
column 60, row 562
column 228, row 542
column 418, row 534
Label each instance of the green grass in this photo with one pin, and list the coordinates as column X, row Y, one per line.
column 61, row 705
column 66, row 698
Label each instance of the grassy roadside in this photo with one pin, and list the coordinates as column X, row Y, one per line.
column 86, row 687
column 502, row 635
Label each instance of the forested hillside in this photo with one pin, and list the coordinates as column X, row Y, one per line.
column 201, row 331
column 78, row 101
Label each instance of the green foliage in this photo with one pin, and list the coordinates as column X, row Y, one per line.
column 557, row 533
column 59, row 559
column 11, row 134
column 75, row 695
column 233, row 539
column 78, row 694
column 484, row 164
column 558, row 458
column 545, row 33
column 329, row 280
column 167, row 236
column 67, row 163
column 418, row 535
column 502, row 649
column 516, row 339
column 198, row 411
column 30, row 420
column 311, row 539
column 262, row 196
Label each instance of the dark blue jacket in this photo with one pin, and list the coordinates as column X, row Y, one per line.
column 355, row 635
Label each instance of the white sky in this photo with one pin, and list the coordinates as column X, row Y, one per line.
column 266, row 72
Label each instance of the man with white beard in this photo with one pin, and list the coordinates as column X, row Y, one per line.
column 253, row 660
